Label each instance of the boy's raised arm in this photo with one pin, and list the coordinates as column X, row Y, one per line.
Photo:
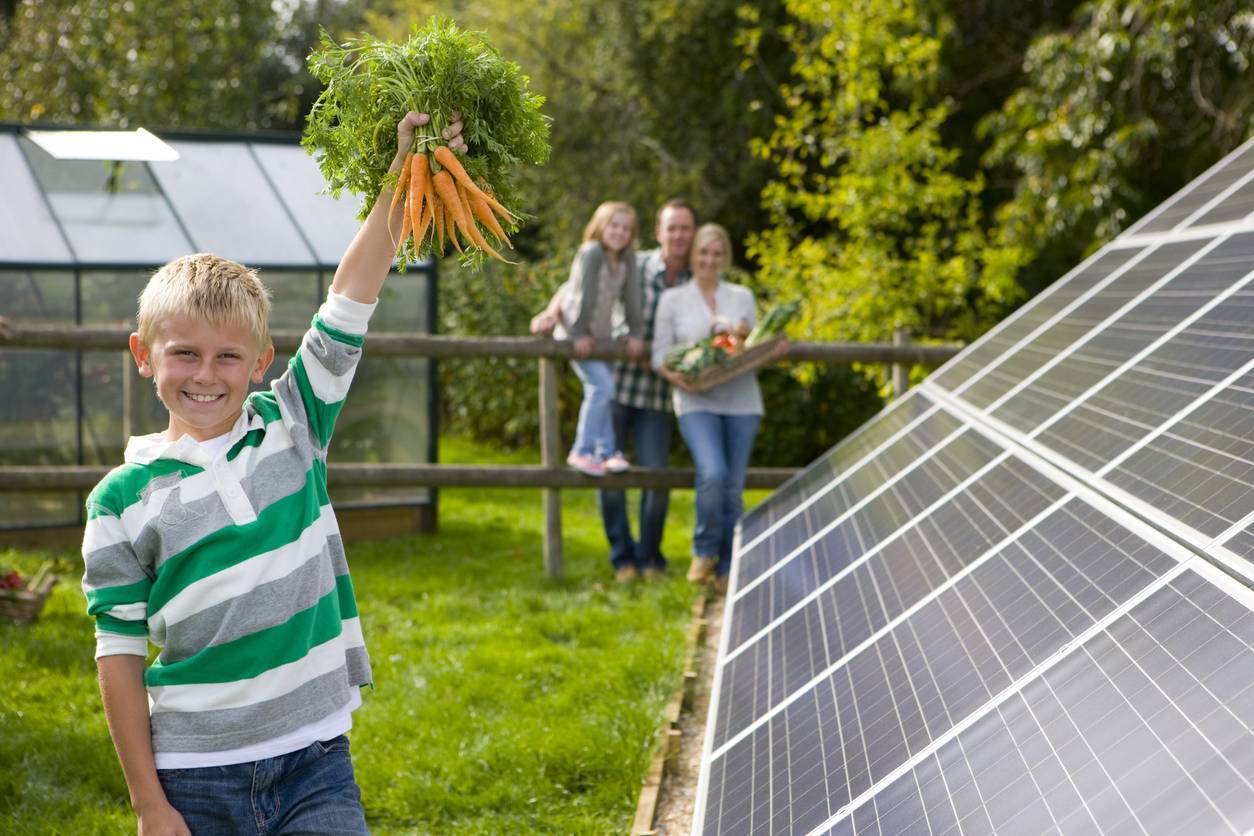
column 365, row 265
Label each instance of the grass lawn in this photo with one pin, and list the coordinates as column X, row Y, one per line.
column 503, row 703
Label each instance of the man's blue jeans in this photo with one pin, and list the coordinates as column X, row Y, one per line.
column 594, row 435
column 309, row 791
column 720, row 447
column 649, row 431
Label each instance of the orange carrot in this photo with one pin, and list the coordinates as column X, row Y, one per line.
column 472, row 231
column 480, row 209
column 406, row 225
column 417, row 170
column 438, row 212
column 446, row 190
column 421, row 232
column 401, row 183
column 445, row 157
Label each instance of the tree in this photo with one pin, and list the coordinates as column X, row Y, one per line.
column 225, row 64
column 1119, row 110
column 869, row 221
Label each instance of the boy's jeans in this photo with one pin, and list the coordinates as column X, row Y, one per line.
column 650, row 433
column 594, row 435
column 720, row 447
column 309, row 791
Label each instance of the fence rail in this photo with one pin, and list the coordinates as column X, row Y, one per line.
column 549, row 476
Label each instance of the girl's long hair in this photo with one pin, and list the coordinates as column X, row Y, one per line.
column 601, row 220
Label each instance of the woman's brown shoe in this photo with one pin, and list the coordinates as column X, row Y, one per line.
column 701, row 568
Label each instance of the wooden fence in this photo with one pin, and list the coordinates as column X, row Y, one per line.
column 550, row 476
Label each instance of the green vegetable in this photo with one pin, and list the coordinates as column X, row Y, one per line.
column 371, row 84
column 773, row 323
column 695, row 357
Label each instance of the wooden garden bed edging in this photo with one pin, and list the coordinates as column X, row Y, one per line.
column 666, row 746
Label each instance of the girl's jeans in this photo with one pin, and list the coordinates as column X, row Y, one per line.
column 594, row 435
column 720, row 447
column 309, row 791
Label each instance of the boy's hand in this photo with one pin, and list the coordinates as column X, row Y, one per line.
column 582, row 347
column 413, row 120
column 162, row 820
column 635, row 347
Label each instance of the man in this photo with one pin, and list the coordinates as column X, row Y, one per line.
column 642, row 405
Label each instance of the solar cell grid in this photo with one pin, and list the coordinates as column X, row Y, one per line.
column 1019, row 365
column 1201, row 470
column 1185, row 297
column 913, row 683
column 1198, row 193
column 856, row 484
column 852, row 606
column 1156, row 388
column 1042, row 308
column 819, row 474
column 1147, row 727
column 851, row 535
column 1234, row 206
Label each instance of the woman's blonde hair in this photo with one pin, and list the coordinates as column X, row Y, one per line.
column 601, row 220
column 207, row 288
column 705, row 234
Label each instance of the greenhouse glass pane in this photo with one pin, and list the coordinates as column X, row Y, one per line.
column 386, row 419
column 38, row 425
column 113, row 213
column 228, row 207
column 329, row 224
column 28, row 232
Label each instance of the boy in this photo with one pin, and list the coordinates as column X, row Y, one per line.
column 217, row 542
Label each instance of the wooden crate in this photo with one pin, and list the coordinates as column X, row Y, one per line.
column 22, row 606
column 742, row 362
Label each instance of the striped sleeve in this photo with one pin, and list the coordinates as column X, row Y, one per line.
column 115, row 582
column 321, row 372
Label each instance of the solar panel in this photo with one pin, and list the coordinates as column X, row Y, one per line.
column 996, row 608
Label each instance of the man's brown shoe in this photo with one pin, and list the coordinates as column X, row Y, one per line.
column 701, row 567
column 625, row 574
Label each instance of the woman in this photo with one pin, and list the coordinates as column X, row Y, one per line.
column 719, row 424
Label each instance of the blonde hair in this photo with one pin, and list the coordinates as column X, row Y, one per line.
column 705, row 233
column 209, row 288
column 601, row 220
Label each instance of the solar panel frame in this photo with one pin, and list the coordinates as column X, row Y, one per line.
column 1234, row 162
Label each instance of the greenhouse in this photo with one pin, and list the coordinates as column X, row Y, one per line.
column 90, row 214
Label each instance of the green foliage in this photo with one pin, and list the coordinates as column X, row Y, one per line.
column 1120, row 109
column 439, row 69
column 498, row 400
column 869, row 221
column 226, row 64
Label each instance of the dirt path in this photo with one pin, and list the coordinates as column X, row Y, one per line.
column 677, row 798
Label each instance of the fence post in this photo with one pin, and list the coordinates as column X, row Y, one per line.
column 550, row 457
column 901, row 372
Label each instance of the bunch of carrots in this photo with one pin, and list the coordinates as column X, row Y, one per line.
column 446, row 203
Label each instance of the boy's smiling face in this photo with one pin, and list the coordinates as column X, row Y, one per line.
column 202, row 372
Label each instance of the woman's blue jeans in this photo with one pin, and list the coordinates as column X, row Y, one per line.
column 720, row 447
column 310, row 791
column 594, row 435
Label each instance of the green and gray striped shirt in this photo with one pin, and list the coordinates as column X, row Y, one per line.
column 233, row 564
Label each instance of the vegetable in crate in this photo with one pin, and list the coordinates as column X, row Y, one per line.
column 440, row 70
column 773, row 323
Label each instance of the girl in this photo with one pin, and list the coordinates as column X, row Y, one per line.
column 602, row 275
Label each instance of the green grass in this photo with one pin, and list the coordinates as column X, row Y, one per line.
column 504, row 703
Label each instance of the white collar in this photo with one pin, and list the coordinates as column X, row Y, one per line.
column 146, row 449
